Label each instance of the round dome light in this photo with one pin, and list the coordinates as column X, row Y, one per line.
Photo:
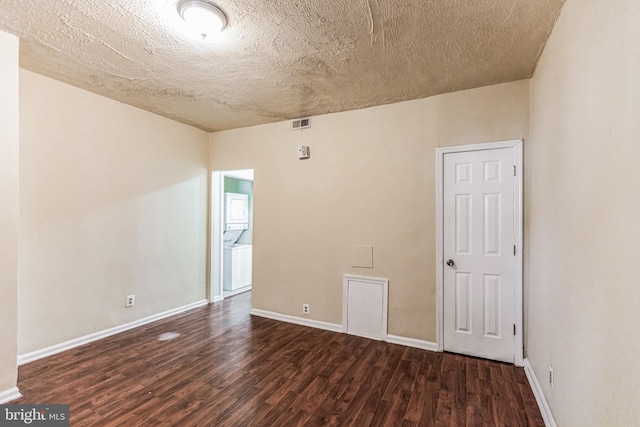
column 202, row 16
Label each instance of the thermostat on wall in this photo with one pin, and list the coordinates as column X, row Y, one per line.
column 303, row 152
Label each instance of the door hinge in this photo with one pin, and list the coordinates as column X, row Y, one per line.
column 514, row 170
column 514, row 250
column 514, row 329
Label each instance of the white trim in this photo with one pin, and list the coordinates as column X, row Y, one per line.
column 77, row 342
column 385, row 301
column 333, row 327
column 547, row 416
column 215, row 236
column 215, row 289
column 480, row 147
column 9, row 395
column 516, row 145
column 439, row 251
column 412, row 342
column 518, row 312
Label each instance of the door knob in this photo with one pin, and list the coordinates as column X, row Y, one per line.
column 450, row 263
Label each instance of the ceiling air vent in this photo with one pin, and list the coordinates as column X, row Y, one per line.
column 301, row 124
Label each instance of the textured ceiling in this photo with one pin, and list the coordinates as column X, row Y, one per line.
column 279, row 59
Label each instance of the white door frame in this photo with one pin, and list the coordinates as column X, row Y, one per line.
column 518, row 221
column 216, row 225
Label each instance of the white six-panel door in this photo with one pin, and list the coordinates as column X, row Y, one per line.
column 478, row 253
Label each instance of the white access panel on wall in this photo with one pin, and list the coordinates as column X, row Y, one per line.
column 365, row 304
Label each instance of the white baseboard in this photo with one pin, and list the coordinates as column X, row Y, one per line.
column 333, row 327
column 547, row 416
column 412, row 342
column 217, row 298
column 9, row 395
column 77, row 342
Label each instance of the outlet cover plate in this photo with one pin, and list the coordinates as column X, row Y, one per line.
column 130, row 301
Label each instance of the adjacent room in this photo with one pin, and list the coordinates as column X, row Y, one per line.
column 370, row 212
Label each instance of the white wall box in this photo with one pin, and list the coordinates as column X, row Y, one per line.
column 365, row 305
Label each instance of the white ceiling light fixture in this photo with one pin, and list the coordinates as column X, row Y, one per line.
column 202, row 16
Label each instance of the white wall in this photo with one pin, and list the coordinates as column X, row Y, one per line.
column 113, row 202
column 8, row 209
column 584, row 215
column 370, row 180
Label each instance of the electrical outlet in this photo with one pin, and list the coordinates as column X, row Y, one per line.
column 305, row 308
column 131, row 301
column 551, row 379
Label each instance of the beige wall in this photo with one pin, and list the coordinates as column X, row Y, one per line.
column 8, row 209
column 113, row 202
column 584, row 296
column 370, row 180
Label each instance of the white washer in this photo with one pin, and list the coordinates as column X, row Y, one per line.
column 237, row 267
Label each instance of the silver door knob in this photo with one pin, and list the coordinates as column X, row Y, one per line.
column 450, row 263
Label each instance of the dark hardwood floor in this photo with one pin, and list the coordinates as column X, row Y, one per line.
column 227, row 368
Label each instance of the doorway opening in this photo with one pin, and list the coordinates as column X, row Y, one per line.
column 231, row 233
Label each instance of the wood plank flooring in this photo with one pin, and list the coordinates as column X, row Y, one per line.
column 228, row 368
